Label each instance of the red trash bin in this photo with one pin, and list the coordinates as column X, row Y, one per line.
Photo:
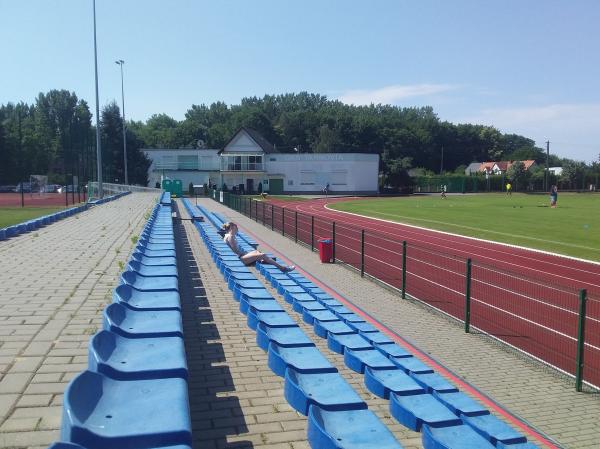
column 326, row 250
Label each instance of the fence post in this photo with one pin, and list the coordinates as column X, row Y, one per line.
column 272, row 217
column 22, row 196
column 263, row 208
column 333, row 243
column 362, row 253
column 312, row 233
column 580, row 339
column 296, row 227
column 66, row 195
column 283, row 221
column 404, row 269
column 468, row 298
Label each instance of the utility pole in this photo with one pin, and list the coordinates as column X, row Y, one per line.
column 442, row 161
column 120, row 62
column 547, row 171
column 98, row 148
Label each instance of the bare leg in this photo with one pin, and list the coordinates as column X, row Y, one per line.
column 254, row 256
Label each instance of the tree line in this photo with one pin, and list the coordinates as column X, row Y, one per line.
column 55, row 135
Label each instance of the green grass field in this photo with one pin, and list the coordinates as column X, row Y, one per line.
column 280, row 197
column 573, row 228
column 13, row 215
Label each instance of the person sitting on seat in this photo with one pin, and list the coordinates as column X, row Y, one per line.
column 248, row 258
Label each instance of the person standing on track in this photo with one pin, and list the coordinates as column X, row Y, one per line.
column 553, row 196
column 248, row 258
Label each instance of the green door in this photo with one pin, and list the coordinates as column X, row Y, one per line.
column 275, row 186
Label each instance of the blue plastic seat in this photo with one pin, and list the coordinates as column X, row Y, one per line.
column 284, row 337
column 293, row 297
column 364, row 327
column 137, row 358
column 454, row 437
column 324, row 328
column 150, row 284
column 415, row 410
column 377, row 338
column 272, row 319
column 328, row 391
column 340, row 342
column 433, row 382
column 300, row 306
column 303, row 360
column 309, row 316
column 138, row 300
column 236, row 283
column 157, row 270
column 157, row 246
column 100, row 412
column 294, row 289
column 2, row 234
column 153, row 261
column 254, row 293
column 384, row 382
column 141, row 324
column 459, row 403
column 260, row 305
column 411, row 365
column 494, row 429
column 351, row 318
column 371, row 358
column 343, row 310
column 332, row 304
column 350, row 429
column 156, row 253
column 393, row 350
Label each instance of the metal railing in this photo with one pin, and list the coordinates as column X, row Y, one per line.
column 555, row 323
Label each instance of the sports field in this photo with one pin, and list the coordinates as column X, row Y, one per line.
column 13, row 215
column 573, row 228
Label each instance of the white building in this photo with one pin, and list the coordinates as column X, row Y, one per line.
column 188, row 165
column 248, row 160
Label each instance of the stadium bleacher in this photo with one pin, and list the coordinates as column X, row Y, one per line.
column 137, row 363
column 419, row 398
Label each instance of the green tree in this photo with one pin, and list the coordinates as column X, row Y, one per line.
column 518, row 175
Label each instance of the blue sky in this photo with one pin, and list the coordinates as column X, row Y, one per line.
column 525, row 66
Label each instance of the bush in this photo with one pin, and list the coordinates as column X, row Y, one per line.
column 259, row 188
column 191, row 188
column 224, row 187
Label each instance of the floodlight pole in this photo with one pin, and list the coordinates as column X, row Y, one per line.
column 98, row 148
column 120, row 62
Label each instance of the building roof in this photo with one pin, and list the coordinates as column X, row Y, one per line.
column 263, row 143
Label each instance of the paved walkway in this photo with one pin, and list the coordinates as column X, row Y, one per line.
column 536, row 394
column 55, row 282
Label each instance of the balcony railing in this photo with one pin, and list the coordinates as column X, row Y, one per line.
column 185, row 166
column 244, row 166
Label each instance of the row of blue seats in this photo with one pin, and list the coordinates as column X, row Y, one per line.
column 337, row 416
column 165, row 199
column 218, row 220
column 36, row 223
column 134, row 393
column 106, row 199
column 419, row 398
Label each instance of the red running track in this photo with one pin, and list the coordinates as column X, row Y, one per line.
column 526, row 298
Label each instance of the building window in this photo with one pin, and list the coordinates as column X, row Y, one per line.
column 338, row 177
column 307, row 178
column 185, row 162
column 291, row 182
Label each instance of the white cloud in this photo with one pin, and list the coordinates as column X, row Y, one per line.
column 392, row 94
column 573, row 129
